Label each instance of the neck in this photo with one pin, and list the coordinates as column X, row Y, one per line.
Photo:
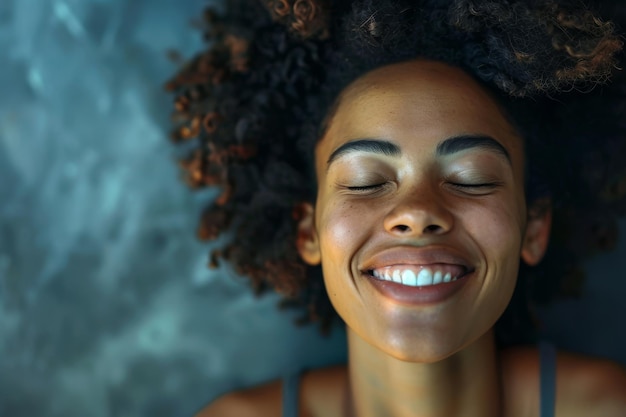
column 466, row 384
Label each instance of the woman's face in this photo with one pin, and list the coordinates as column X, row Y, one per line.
column 420, row 216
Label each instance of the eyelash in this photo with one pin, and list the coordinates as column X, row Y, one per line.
column 475, row 189
column 483, row 185
column 367, row 187
column 460, row 186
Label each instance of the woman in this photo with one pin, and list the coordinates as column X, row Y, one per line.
column 398, row 159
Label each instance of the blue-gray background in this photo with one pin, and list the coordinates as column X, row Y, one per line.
column 106, row 307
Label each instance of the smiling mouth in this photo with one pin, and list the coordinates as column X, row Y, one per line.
column 419, row 276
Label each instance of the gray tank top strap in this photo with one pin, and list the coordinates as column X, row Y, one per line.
column 547, row 390
column 291, row 387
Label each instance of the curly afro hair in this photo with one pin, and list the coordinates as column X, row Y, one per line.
column 254, row 103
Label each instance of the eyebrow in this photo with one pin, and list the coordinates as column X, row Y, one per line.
column 447, row 147
column 378, row 146
column 460, row 143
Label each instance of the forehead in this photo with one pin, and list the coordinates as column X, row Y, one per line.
column 417, row 100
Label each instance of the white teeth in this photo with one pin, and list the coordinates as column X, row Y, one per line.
column 409, row 278
column 425, row 277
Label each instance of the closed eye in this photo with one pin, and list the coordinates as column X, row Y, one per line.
column 482, row 188
column 371, row 187
column 480, row 185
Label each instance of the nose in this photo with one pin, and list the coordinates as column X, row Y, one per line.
column 418, row 213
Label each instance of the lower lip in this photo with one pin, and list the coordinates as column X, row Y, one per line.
column 428, row 294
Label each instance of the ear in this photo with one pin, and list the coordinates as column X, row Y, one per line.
column 537, row 233
column 307, row 241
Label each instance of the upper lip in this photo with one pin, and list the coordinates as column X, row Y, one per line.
column 416, row 256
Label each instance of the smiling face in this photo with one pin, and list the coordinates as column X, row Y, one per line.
column 420, row 216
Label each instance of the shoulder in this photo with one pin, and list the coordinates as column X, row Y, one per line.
column 591, row 386
column 586, row 386
column 320, row 393
column 263, row 400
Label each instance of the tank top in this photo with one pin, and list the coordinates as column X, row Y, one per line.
column 547, row 387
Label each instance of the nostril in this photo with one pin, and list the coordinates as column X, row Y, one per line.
column 432, row 228
column 402, row 228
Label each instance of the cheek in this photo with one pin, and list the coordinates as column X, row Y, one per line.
column 497, row 226
column 497, row 229
column 342, row 230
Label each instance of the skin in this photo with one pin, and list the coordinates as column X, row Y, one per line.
column 420, row 206
column 416, row 107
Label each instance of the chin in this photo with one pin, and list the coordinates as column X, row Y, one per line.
column 423, row 355
column 425, row 346
column 425, row 349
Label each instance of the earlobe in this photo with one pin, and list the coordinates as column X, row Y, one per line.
column 307, row 241
column 537, row 234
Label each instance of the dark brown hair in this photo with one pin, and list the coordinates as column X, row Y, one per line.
column 252, row 104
